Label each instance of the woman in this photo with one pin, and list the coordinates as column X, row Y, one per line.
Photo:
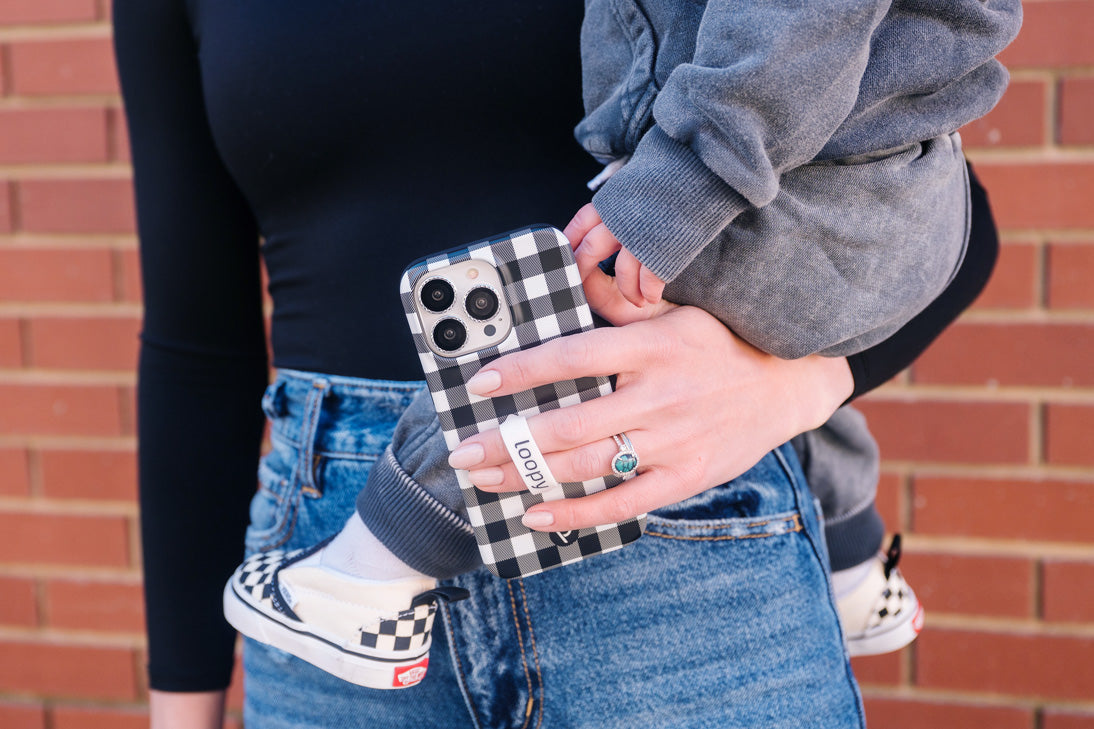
column 456, row 127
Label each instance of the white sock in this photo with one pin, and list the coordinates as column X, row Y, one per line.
column 357, row 552
column 845, row 581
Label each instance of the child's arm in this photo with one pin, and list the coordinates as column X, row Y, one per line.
column 592, row 243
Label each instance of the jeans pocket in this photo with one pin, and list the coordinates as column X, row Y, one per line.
column 274, row 505
column 759, row 502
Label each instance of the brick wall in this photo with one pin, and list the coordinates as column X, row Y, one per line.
column 988, row 440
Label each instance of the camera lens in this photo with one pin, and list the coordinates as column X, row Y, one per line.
column 482, row 303
column 437, row 295
column 449, row 335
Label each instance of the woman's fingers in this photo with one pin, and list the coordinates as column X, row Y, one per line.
column 596, row 353
column 584, row 463
column 639, row 495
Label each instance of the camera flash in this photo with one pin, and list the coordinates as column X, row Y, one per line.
column 472, row 273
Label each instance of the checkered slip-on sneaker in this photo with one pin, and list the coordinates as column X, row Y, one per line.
column 374, row 634
column 882, row 614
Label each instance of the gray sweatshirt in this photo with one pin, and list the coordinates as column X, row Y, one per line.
column 793, row 168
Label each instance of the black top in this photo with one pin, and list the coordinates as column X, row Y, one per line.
column 353, row 138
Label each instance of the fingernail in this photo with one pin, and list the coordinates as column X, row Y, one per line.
column 484, row 382
column 487, row 476
column 467, row 456
column 536, row 519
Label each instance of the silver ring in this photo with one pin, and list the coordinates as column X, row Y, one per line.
column 625, row 461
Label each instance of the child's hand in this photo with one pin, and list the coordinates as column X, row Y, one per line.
column 593, row 242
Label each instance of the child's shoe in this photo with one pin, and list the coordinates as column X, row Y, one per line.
column 882, row 613
column 370, row 633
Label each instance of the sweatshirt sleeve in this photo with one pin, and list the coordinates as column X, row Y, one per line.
column 768, row 85
column 203, row 362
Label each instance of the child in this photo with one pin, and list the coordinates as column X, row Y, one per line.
column 772, row 169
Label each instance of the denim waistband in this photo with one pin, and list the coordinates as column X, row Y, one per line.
column 331, row 415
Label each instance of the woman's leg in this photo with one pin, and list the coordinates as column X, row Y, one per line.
column 720, row 616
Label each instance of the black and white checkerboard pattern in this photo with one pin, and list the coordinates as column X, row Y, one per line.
column 255, row 576
column 408, row 631
column 543, row 290
column 894, row 600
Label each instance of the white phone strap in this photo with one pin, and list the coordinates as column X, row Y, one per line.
column 529, row 460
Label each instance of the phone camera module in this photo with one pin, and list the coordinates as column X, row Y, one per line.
column 449, row 335
column 437, row 295
column 482, row 303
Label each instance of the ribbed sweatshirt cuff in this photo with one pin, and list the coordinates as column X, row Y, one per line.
column 854, row 539
column 665, row 205
column 417, row 528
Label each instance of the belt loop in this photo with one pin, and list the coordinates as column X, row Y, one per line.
column 313, row 406
column 273, row 400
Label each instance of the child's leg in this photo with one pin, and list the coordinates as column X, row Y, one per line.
column 410, row 519
column 350, row 604
column 879, row 612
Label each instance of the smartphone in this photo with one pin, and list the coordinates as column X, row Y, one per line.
column 470, row 305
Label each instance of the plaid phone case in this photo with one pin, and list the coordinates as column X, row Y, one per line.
column 543, row 291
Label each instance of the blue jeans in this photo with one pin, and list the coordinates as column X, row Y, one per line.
column 720, row 616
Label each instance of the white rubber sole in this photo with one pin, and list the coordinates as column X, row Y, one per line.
column 377, row 673
column 888, row 638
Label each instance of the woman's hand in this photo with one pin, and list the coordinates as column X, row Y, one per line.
column 197, row 710
column 700, row 405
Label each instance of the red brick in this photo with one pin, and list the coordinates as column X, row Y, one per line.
column 22, row 716
column 52, row 135
column 5, row 208
column 14, row 478
column 1062, row 719
column 107, row 343
column 1050, row 666
column 1017, row 120
column 1053, row 511
column 1054, row 34
column 59, row 410
column 71, row 66
column 13, row 12
column 1013, row 284
column 1068, row 590
column 882, row 670
column 93, row 541
column 130, row 285
column 890, row 500
column 1041, row 194
column 992, row 586
column 968, row 432
column 1070, row 276
column 87, row 605
column 1076, row 111
column 911, row 714
column 18, row 605
column 64, row 670
column 1058, row 355
column 234, row 699
column 77, row 206
column 11, row 345
column 55, row 275
column 1069, row 434
column 70, row 717
column 120, row 136
column 110, row 475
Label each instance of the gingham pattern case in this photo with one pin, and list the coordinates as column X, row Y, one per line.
column 543, row 290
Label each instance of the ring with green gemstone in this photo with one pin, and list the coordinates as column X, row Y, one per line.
column 625, row 462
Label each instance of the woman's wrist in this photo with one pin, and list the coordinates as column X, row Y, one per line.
column 190, row 710
column 821, row 386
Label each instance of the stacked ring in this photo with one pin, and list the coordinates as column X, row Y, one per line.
column 625, row 462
